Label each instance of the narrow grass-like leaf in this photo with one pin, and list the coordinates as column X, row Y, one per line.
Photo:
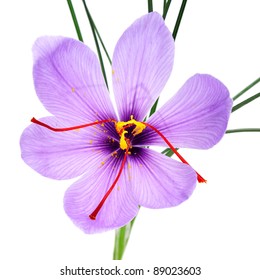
column 153, row 109
column 243, row 103
column 92, row 25
column 168, row 152
column 246, row 89
column 179, row 18
column 102, row 44
column 166, row 6
column 243, row 130
column 150, row 6
column 75, row 21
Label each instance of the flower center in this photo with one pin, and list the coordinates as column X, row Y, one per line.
column 121, row 128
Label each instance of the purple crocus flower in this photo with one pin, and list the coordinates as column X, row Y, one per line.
column 86, row 137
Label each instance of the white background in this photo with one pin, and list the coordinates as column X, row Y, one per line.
column 217, row 228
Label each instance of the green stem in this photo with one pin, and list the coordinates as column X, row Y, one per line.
column 166, row 6
column 243, row 103
column 246, row 89
column 243, row 130
column 150, row 6
column 92, row 25
column 179, row 18
column 121, row 240
column 75, row 21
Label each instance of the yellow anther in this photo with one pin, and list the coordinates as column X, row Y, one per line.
column 121, row 130
column 139, row 127
column 123, row 144
column 119, row 127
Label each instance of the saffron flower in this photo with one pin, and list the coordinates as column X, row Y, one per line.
column 86, row 137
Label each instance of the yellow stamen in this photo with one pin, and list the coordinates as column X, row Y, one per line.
column 139, row 127
column 123, row 143
column 121, row 130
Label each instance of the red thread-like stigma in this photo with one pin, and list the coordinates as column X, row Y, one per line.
column 69, row 128
column 93, row 215
column 199, row 177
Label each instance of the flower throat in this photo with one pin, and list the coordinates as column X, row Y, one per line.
column 121, row 130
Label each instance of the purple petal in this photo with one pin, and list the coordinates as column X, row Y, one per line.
column 63, row 155
column 82, row 198
column 68, row 80
column 159, row 181
column 142, row 63
column 196, row 117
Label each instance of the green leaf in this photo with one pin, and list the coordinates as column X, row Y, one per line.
column 243, row 130
column 150, row 6
column 168, row 152
column 243, row 103
column 179, row 18
column 166, row 6
column 246, row 89
column 154, row 107
column 92, row 25
column 75, row 21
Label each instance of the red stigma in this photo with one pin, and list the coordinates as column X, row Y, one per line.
column 69, row 128
column 199, row 177
column 93, row 215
